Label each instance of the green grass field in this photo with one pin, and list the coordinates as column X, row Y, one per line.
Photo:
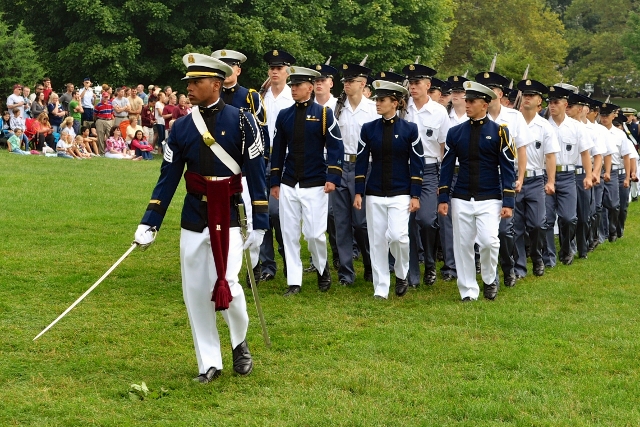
column 560, row 350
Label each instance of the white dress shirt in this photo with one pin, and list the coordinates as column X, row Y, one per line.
column 273, row 105
column 433, row 125
column 351, row 121
column 573, row 139
column 544, row 142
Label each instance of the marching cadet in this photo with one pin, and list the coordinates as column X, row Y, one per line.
column 519, row 132
column 301, row 179
column 436, row 89
column 624, row 179
column 457, row 115
column 574, row 145
column 323, row 85
column 600, row 137
column 481, row 195
column 445, row 98
column 250, row 100
column 393, row 187
column 352, row 114
column 213, row 142
column 276, row 97
column 530, row 201
column 631, row 129
column 577, row 104
column 433, row 124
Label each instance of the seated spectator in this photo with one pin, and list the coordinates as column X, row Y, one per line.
column 64, row 147
column 7, row 132
column 132, row 127
column 17, row 121
column 67, row 125
column 141, row 147
column 90, row 142
column 80, row 149
column 38, row 106
column 15, row 142
column 56, row 113
column 44, row 133
column 116, row 148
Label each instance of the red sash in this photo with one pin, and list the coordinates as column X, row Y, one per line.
column 218, row 217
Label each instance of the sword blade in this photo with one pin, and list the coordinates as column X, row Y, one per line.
column 95, row 285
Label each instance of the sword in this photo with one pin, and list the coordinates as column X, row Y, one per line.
column 95, row 285
column 252, row 279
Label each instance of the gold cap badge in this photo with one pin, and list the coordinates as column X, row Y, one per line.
column 604, row 105
column 318, row 67
column 455, row 78
column 528, row 83
column 383, row 75
column 345, row 66
column 412, row 67
column 293, row 70
column 486, row 75
column 223, row 53
column 191, row 59
column 275, row 53
column 467, row 85
column 377, row 84
column 552, row 89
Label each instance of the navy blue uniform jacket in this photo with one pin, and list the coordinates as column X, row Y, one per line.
column 480, row 146
column 396, row 158
column 298, row 151
column 185, row 147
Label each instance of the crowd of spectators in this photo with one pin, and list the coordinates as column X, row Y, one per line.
column 85, row 122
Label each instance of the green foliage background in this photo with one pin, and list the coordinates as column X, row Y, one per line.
column 142, row 41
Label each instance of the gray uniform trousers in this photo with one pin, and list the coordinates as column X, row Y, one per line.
column 563, row 205
column 610, row 202
column 529, row 216
column 446, row 238
column 624, row 203
column 267, row 255
column 583, row 210
column 423, row 225
column 350, row 222
column 596, row 213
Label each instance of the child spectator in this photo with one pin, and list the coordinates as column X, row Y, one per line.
column 81, row 150
column 17, row 121
column 64, row 147
column 67, row 125
column 91, row 142
column 115, row 147
column 141, row 147
column 14, row 143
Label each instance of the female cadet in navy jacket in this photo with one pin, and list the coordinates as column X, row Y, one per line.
column 394, row 185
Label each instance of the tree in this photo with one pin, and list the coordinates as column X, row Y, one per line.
column 18, row 56
column 521, row 32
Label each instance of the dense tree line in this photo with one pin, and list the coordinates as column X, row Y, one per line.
column 133, row 41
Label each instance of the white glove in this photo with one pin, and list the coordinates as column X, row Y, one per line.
column 145, row 235
column 254, row 240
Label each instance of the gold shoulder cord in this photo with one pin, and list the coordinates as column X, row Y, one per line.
column 324, row 121
column 504, row 140
column 253, row 107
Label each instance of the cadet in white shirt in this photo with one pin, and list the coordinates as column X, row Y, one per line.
column 624, row 180
column 276, row 97
column 574, row 145
column 519, row 133
column 530, row 201
column 352, row 111
column 433, row 124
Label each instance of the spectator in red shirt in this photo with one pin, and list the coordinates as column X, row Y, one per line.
column 148, row 119
column 103, row 116
column 47, row 88
column 181, row 110
column 167, row 112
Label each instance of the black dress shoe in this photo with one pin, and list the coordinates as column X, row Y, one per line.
column 490, row 291
column 430, row 277
column 242, row 361
column 510, row 280
column 345, row 283
column 613, row 238
column 378, row 297
column 324, row 279
column 447, row 277
column 519, row 277
column 538, row 268
column 634, row 199
column 265, row 277
column 368, row 276
column 584, row 256
column 336, row 263
column 467, row 299
column 310, row 269
column 567, row 260
column 292, row 290
column 211, row 374
column 413, row 286
column 401, row 286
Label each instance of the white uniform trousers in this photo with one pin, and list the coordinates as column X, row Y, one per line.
column 388, row 219
column 248, row 210
column 475, row 221
column 198, row 278
column 309, row 206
